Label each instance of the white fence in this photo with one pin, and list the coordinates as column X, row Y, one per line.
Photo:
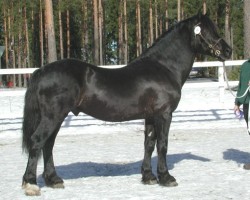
column 196, row 64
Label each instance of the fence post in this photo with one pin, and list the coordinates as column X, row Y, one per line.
column 221, row 83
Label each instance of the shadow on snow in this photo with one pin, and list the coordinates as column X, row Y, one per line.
column 92, row 169
column 237, row 156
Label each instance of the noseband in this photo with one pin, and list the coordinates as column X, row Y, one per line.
column 216, row 52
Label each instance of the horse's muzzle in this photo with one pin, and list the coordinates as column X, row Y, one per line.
column 225, row 52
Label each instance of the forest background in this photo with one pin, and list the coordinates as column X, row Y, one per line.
column 104, row 32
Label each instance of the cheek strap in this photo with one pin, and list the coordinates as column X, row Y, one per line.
column 197, row 31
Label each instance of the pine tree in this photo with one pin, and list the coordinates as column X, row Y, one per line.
column 52, row 55
column 246, row 29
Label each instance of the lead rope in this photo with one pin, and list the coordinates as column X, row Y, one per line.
column 245, row 93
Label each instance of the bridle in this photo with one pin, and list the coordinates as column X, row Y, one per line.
column 216, row 52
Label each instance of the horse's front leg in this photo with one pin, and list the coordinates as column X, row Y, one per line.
column 149, row 144
column 162, row 130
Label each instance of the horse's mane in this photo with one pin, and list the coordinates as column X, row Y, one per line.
column 165, row 34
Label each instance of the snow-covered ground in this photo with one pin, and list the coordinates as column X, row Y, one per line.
column 98, row 160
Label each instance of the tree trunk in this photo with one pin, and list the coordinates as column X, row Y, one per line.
column 6, row 38
column 160, row 26
column 52, row 56
column 227, row 29
column 60, row 30
column 227, row 26
column 166, row 13
column 100, row 21
column 68, row 35
column 151, row 33
column 5, row 41
column 156, row 19
column 204, row 7
column 120, row 34
column 182, row 9
column 13, row 79
column 125, row 32
column 19, row 50
column 26, row 59
column 179, row 11
column 12, row 44
column 85, row 36
column 138, row 28
column 41, row 33
column 246, row 29
column 96, row 33
column 27, row 37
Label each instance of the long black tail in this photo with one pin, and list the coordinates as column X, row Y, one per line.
column 31, row 114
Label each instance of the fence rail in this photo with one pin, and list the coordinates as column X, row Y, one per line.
column 196, row 64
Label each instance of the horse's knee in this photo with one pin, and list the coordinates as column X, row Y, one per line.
column 162, row 149
column 150, row 145
column 150, row 138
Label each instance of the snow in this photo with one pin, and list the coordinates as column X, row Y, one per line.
column 99, row 160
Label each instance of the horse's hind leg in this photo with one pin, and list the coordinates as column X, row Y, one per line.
column 29, row 178
column 50, row 176
column 45, row 129
column 149, row 144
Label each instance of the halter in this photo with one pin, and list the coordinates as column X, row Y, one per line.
column 197, row 31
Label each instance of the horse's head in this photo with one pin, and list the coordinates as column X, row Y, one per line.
column 207, row 41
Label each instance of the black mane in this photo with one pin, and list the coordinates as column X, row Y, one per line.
column 167, row 33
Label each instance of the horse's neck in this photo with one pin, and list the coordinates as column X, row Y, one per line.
column 174, row 53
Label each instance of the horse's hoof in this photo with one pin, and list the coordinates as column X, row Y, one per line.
column 53, row 181
column 57, row 186
column 150, row 182
column 149, row 178
column 169, row 184
column 167, row 181
column 31, row 189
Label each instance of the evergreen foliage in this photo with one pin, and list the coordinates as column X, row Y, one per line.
column 14, row 16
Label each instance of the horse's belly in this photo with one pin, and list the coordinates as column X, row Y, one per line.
column 124, row 110
column 112, row 113
column 138, row 105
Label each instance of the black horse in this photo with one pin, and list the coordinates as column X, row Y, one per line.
column 148, row 88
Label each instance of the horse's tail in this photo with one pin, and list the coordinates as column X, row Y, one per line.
column 31, row 114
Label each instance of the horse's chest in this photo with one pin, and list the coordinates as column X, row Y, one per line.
column 148, row 101
column 153, row 101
